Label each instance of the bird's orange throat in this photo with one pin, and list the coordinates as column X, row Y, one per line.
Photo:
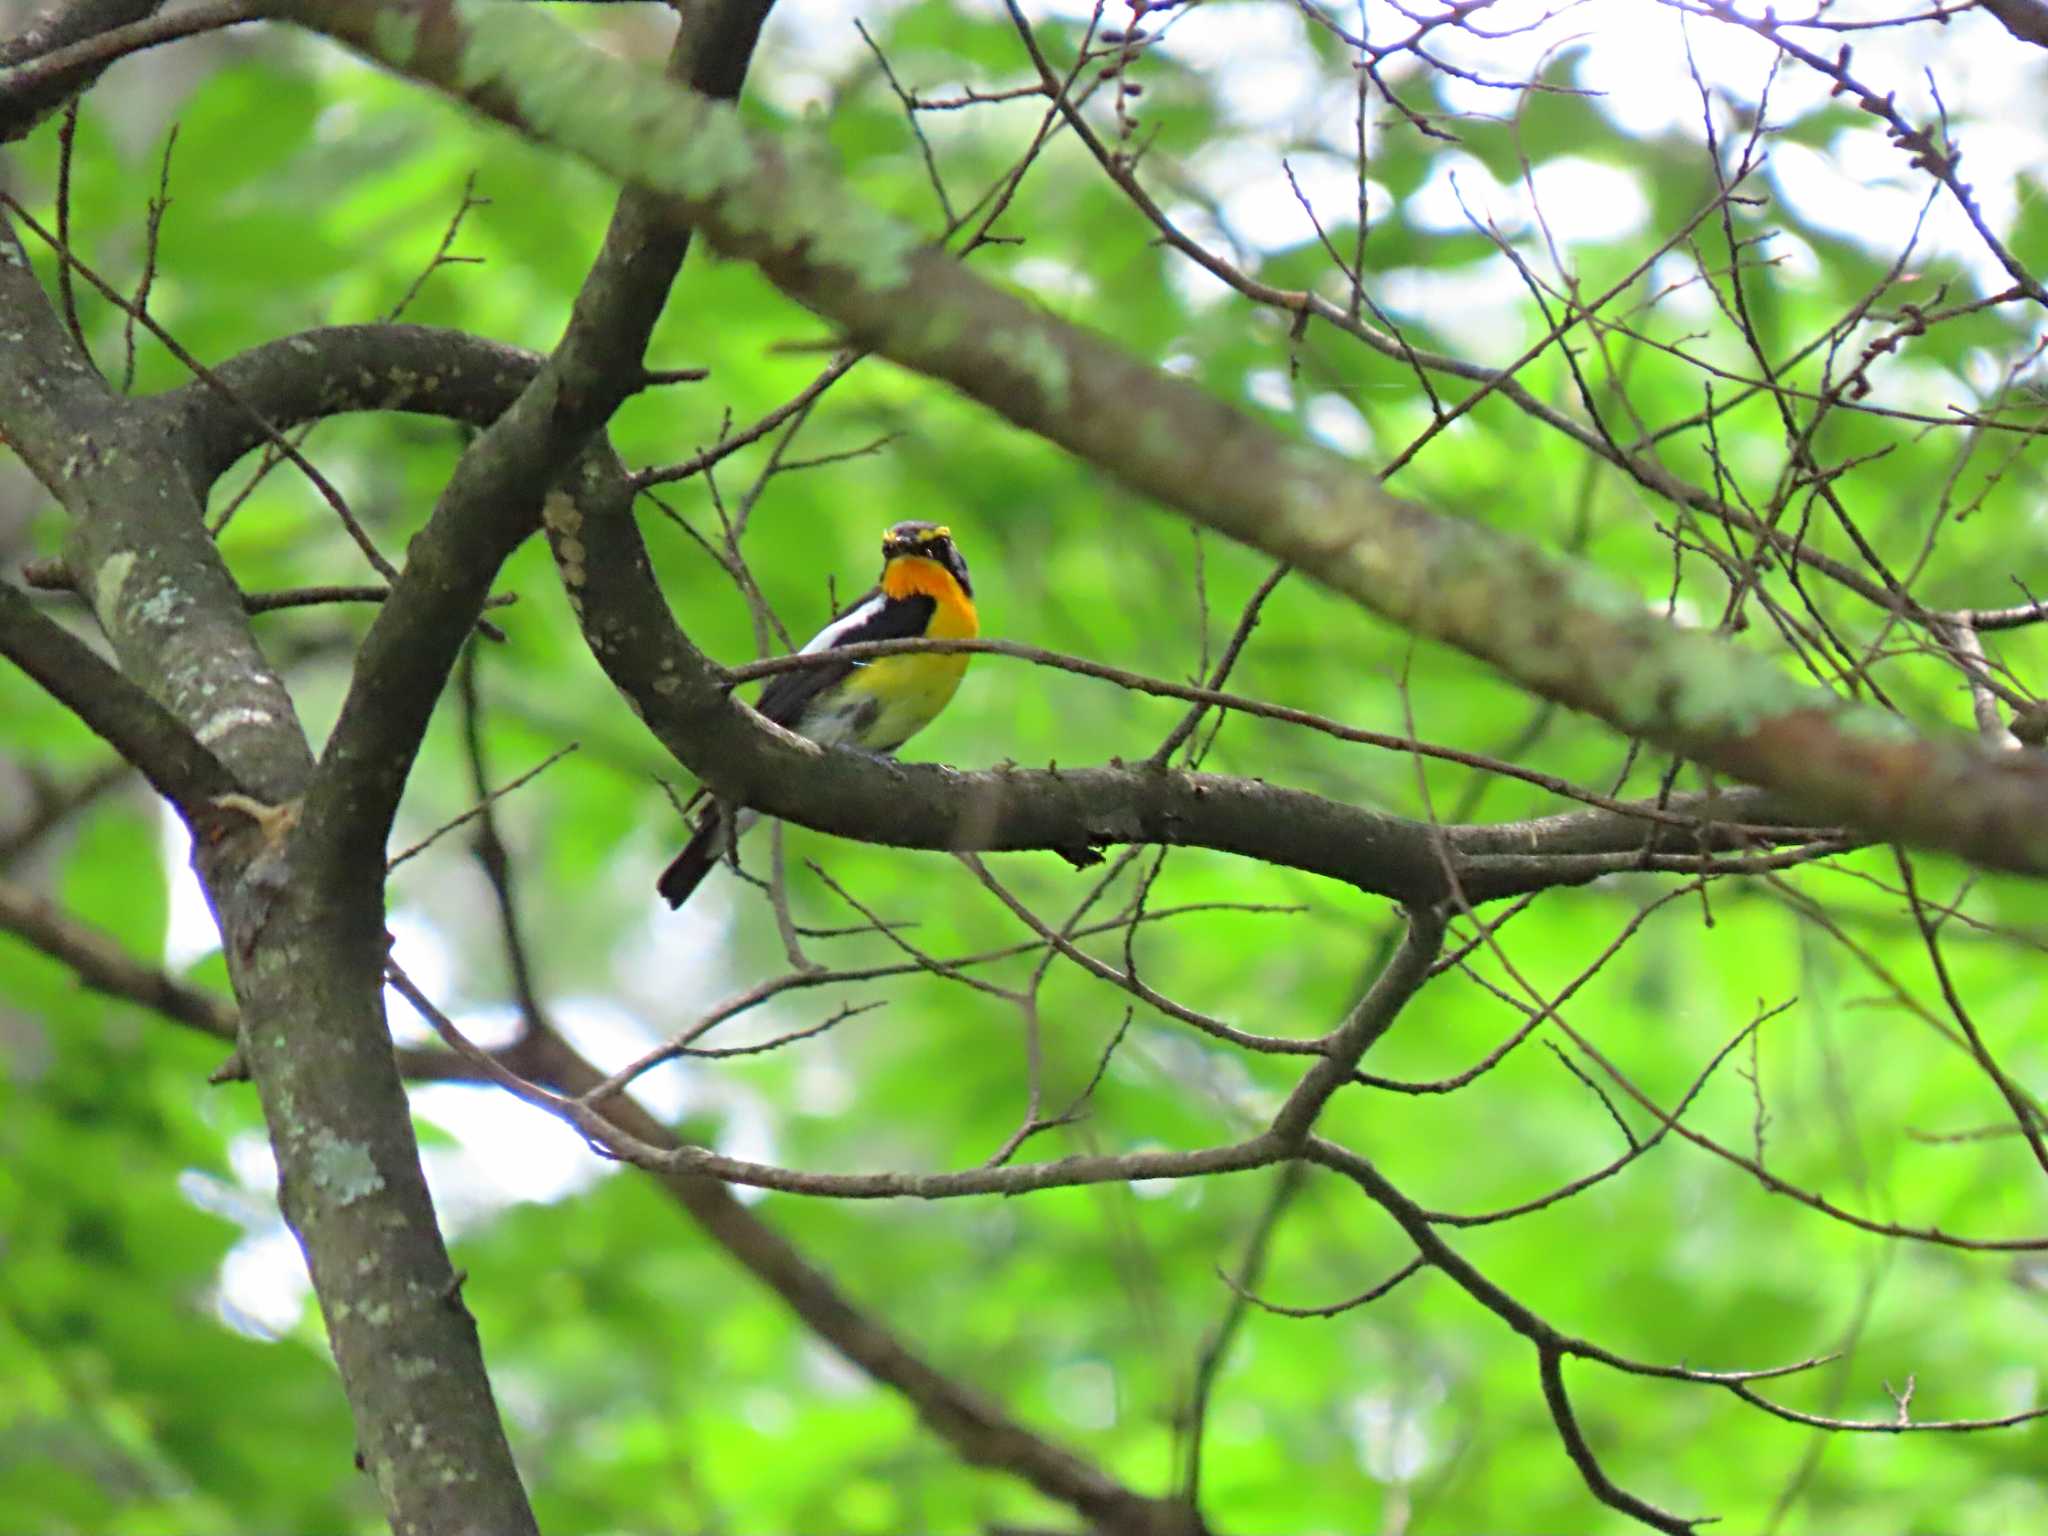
column 913, row 576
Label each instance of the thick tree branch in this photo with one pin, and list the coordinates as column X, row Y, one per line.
column 135, row 545
column 68, row 22
column 492, row 502
column 685, row 701
column 685, row 698
column 2026, row 20
column 305, row 963
column 29, row 91
column 62, row 27
column 306, row 940
column 129, row 720
column 1555, row 626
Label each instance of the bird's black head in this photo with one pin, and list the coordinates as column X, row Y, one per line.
column 926, row 541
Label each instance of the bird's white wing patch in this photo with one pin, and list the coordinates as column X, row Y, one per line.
column 831, row 634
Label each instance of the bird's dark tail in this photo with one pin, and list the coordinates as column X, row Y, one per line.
column 689, row 867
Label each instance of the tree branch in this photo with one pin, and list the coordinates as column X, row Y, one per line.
column 103, row 965
column 305, row 961
column 50, row 804
column 31, row 90
column 135, row 545
column 492, row 502
column 59, row 28
column 1550, row 1366
column 684, row 697
column 976, row 1427
column 129, row 720
column 449, row 374
column 2026, row 20
column 1399, row 981
column 1555, row 626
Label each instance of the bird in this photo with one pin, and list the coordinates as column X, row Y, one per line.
column 874, row 705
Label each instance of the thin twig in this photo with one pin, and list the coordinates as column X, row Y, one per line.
column 480, row 807
column 214, row 382
column 151, row 235
column 67, row 292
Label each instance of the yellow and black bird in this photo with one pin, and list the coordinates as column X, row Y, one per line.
column 874, row 705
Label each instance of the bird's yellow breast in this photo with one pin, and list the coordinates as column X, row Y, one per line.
column 911, row 690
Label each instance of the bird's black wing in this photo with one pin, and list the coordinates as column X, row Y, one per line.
column 874, row 617
column 788, row 694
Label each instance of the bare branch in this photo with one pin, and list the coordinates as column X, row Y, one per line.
column 1365, row 1297
column 103, row 965
column 481, row 807
column 1553, row 626
column 1550, row 1365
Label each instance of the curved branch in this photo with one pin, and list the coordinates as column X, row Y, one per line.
column 29, row 94
column 604, row 1131
column 1555, row 626
column 335, row 369
column 685, row 697
column 2026, row 20
column 1550, row 1366
column 492, row 502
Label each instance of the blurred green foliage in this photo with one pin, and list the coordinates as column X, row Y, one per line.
column 651, row 1385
